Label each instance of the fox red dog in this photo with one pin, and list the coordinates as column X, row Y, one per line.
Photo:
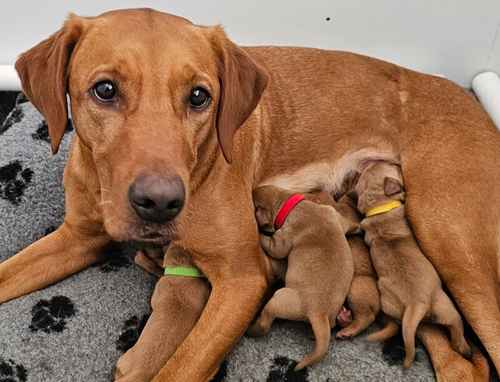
column 175, row 125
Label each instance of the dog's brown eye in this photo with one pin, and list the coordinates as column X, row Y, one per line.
column 199, row 98
column 104, row 91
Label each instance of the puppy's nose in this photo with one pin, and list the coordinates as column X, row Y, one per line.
column 157, row 199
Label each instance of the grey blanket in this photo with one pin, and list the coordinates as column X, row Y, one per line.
column 76, row 330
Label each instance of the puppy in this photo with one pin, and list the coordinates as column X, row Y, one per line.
column 409, row 285
column 363, row 298
column 320, row 266
column 177, row 303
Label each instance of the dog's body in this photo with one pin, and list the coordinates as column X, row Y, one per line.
column 363, row 298
column 319, row 270
column 409, row 286
column 305, row 107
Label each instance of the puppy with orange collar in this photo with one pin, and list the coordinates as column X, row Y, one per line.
column 320, row 267
column 409, row 285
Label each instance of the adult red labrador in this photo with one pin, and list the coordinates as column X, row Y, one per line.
column 175, row 125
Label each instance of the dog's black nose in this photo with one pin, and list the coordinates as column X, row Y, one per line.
column 157, row 199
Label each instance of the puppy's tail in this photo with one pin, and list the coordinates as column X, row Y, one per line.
column 411, row 319
column 322, row 333
column 330, row 176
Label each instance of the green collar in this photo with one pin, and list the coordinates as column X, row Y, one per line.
column 183, row 271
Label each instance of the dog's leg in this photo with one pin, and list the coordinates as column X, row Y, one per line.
column 449, row 365
column 50, row 259
column 389, row 330
column 412, row 317
column 322, row 333
column 454, row 209
column 447, row 315
column 285, row 304
column 364, row 301
column 177, row 304
column 149, row 265
column 237, row 291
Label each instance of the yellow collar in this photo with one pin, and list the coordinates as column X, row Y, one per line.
column 383, row 208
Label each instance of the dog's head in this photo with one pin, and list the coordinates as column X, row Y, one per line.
column 155, row 100
column 268, row 200
column 379, row 183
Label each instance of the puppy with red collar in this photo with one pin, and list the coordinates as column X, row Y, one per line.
column 320, row 266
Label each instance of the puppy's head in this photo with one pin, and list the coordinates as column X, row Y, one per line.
column 379, row 183
column 268, row 200
column 155, row 102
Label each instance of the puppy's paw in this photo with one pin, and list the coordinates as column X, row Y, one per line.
column 256, row 330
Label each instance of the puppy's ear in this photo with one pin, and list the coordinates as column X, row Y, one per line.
column 43, row 74
column 242, row 82
column 392, row 186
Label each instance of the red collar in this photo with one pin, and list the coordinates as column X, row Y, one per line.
column 286, row 208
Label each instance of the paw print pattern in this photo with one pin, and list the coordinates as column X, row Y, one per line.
column 9, row 112
column 117, row 257
column 131, row 330
column 221, row 373
column 393, row 350
column 51, row 315
column 12, row 372
column 282, row 371
column 13, row 181
column 42, row 132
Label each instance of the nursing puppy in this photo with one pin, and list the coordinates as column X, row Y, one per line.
column 320, row 267
column 177, row 304
column 409, row 285
column 363, row 298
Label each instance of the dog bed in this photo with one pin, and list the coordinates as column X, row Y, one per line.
column 76, row 330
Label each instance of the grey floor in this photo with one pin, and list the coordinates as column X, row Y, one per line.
column 76, row 330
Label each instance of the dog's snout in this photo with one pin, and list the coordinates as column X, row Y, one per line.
column 157, row 199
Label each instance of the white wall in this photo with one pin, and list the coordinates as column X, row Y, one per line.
column 457, row 38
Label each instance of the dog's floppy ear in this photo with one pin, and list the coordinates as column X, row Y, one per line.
column 42, row 71
column 392, row 186
column 242, row 82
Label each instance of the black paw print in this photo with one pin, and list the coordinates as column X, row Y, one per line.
column 50, row 316
column 131, row 330
column 12, row 372
column 282, row 371
column 42, row 132
column 221, row 373
column 9, row 112
column 13, row 181
column 117, row 257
